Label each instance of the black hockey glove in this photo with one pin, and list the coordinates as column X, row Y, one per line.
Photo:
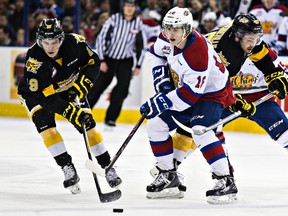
column 247, row 109
column 80, row 88
column 77, row 117
column 277, row 83
column 161, row 79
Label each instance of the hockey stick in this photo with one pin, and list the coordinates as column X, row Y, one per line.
column 104, row 197
column 249, row 88
column 94, row 168
column 223, row 121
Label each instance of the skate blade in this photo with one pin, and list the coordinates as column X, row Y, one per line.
column 74, row 189
column 108, row 128
column 220, row 200
column 168, row 193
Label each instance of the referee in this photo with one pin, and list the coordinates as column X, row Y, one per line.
column 121, row 37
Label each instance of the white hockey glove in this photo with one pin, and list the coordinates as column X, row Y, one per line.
column 156, row 105
column 161, row 79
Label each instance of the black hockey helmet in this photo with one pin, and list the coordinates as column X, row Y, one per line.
column 246, row 23
column 49, row 29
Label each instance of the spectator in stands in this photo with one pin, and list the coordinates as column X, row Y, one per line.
column 268, row 13
column 5, row 22
column 180, row 3
column 105, row 6
column 102, row 19
column 32, row 29
column 68, row 9
column 163, row 7
column 20, row 37
column 244, row 6
column 210, row 22
column 282, row 42
column 151, row 6
column 5, row 39
column 67, row 23
column 50, row 8
column 91, row 14
column 16, row 18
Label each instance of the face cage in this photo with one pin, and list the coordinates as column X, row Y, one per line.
column 40, row 38
column 186, row 29
column 240, row 34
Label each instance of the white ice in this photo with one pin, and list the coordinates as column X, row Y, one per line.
column 31, row 182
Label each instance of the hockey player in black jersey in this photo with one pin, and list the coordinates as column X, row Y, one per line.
column 58, row 69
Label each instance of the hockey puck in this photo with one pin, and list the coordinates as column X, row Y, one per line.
column 118, row 210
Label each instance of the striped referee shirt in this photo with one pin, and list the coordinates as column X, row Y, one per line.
column 120, row 39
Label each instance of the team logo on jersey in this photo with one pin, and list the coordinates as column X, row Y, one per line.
column 223, row 59
column 243, row 80
column 175, row 77
column 33, row 65
column 166, row 50
column 79, row 38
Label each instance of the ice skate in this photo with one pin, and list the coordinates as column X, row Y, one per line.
column 109, row 125
column 224, row 191
column 154, row 173
column 165, row 185
column 71, row 179
column 112, row 178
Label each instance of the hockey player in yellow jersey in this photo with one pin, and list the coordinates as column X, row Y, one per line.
column 59, row 68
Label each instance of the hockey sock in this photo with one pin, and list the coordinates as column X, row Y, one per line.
column 103, row 159
column 63, row 159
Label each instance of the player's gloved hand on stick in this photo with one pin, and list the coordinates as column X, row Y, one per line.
column 277, row 83
column 77, row 117
column 80, row 88
column 161, row 79
column 156, row 105
column 247, row 109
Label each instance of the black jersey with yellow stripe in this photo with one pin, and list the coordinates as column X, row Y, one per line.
column 232, row 55
column 45, row 77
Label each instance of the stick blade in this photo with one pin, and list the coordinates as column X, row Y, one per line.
column 184, row 127
column 110, row 197
column 90, row 165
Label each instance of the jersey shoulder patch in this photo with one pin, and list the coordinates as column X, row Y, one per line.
column 196, row 53
column 32, row 65
column 78, row 38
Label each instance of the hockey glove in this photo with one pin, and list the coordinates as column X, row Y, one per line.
column 161, row 79
column 80, row 88
column 277, row 83
column 156, row 105
column 247, row 109
column 77, row 117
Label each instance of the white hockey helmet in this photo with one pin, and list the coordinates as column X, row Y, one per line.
column 177, row 18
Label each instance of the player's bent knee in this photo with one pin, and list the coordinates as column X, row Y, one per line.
column 43, row 120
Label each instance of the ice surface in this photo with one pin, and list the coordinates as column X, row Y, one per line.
column 31, row 182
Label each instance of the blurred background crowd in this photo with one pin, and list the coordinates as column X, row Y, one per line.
column 19, row 19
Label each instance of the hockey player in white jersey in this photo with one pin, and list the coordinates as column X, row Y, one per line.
column 202, row 91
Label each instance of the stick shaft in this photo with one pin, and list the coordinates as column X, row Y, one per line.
column 236, row 114
column 127, row 140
